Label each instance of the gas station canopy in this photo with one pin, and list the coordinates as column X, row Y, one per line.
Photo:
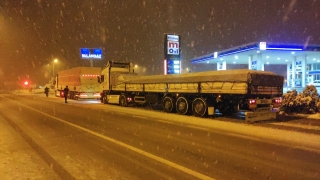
column 270, row 53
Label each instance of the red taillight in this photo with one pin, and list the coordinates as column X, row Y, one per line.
column 252, row 104
column 278, row 101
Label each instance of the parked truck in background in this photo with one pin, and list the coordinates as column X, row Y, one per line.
column 81, row 81
column 200, row 93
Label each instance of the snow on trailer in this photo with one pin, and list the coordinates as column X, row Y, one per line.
column 228, row 81
column 202, row 93
column 81, row 81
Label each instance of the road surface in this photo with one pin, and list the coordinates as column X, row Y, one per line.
column 44, row 138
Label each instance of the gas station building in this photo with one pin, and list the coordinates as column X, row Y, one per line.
column 302, row 61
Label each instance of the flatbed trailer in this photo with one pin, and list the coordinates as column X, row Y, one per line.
column 201, row 93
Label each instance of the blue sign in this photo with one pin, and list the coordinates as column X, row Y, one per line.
column 173, row 66
column 87, row 53
column 253, row 62
column 298, row 63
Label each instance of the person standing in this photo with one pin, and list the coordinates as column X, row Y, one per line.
column 65, row 93
column 46, row 91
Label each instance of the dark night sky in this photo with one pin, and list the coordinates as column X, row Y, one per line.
column 34, row 32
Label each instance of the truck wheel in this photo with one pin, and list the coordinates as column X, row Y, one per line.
column 182, row 105
column 199, row 107
column 105, row 100
column 123, row 101
column 168, row 104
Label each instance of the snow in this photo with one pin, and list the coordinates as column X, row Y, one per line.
column 236, row 75
column 265, row 134
column 17, row 159
column 30, row 165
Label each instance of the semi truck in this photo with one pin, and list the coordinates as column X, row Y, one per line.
column 226, row 92
column 81, row 81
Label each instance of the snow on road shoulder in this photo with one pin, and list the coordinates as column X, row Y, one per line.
column 277, row 136
column 18, row 160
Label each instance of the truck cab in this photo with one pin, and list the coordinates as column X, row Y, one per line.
column 114, row 73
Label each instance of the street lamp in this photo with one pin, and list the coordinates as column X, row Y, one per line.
column 54, row 61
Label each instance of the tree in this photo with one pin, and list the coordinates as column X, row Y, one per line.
column 305, row 102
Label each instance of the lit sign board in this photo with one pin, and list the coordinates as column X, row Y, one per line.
column 173, row 66
column 172, row 37
column 254, row 63
column 172, row 46
column 87, row 53
column 215, row 55
column 263, row 45
column 172, row 54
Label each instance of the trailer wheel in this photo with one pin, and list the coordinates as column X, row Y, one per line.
column 199, row 107
column 168, row 104
column 182, row 105
column 123, row 101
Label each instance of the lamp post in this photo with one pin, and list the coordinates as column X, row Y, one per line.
column 54, row 61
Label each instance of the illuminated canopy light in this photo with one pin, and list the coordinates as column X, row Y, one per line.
column 254, row 46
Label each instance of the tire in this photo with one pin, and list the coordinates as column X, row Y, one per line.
column 199, row 107
column 71, row 95
column 123, row 101
column 168, row 104
column 182, row 105
column 105, row 100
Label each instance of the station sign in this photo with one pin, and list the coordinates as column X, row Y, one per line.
column 91, row 53
column 172, row 45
